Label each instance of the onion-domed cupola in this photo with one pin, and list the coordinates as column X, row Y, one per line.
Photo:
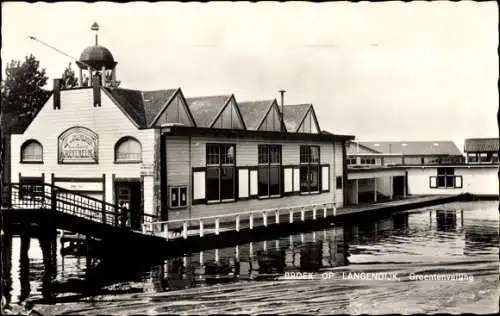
column 98, row 61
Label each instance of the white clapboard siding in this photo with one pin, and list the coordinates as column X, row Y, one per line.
column 108, row 121
column 246, row 156
column 178, row 171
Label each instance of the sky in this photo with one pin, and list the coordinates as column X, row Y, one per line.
column 379, row 71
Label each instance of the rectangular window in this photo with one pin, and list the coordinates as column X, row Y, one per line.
column 178, row 197
column 483, row 157
column 339, row 183
column 221, row 172
column 472, row 157
column 269, row 171
column 445, row 177
column 31, row 188
column 309, row 169
column 494, row 157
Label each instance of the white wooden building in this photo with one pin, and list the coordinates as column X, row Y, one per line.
column 177, row 157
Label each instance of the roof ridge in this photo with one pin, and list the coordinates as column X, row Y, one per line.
column 210, row 96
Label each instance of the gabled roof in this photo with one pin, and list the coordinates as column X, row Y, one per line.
column 481, row 144
column 143, row 107
column 130, row 101
column 293, row 115
column 206, row 109
column 155, row 102
column 312, row 114
column 415, row 147
column 254, row 112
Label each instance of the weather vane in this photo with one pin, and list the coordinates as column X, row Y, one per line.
column 95, row 28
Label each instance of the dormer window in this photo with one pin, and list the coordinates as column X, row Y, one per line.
column 128, row 150
column 31, row 152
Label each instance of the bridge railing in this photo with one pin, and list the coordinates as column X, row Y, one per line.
column 48, row 196
column 200, row 226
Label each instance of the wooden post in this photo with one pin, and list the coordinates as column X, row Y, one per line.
column 264, row 245
column 291, row 241
column 314, row 236
column 184, row 230
column 302, row 238
column 302, row 214
column 165, row 231
column 201, row 258
column 237, row 252
column 291, row 216
column 324, row 212
column 334, row 210
column 217, row 225
column 216, row 255
column 314, row 213
column 277, row 216
column 201, row 228
column 251, row 220
column 237, row 223
column 264, row 218
column 277, row 244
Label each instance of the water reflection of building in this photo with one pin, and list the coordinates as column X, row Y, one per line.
column 399, row 223
column 446, row 220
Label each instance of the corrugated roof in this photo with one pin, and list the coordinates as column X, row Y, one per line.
column 294, row 114
column 205, row 109
column 253, row 112
column 154, row 102
column 414, row 147
column 481, row 144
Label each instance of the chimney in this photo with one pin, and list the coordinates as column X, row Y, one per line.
column 282, row 92
column 96, row 86
column 57, row 93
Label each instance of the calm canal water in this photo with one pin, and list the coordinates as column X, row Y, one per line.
column 436, row 259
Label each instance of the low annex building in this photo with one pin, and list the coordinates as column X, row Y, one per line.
column 177, row 157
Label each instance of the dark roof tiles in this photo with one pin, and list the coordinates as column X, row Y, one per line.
column 253, row 112
column 154, row 102
column 141, row 106
column 205, row 109
column 293, row 115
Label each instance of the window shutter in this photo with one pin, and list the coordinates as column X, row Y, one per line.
column 253, row 182
column 433, row 182
column 296, row 179
column 325, row 178
column 288, row 179
column 243, row 183
column 198, row 185
column 458, row 182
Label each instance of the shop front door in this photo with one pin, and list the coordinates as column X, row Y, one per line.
column 128, row 193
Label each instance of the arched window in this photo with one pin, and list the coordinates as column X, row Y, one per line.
column 128, row 149
column 31, row 151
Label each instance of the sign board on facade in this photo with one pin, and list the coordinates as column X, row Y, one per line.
column 78, row 145
column 147, row 169
column 80, row 186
